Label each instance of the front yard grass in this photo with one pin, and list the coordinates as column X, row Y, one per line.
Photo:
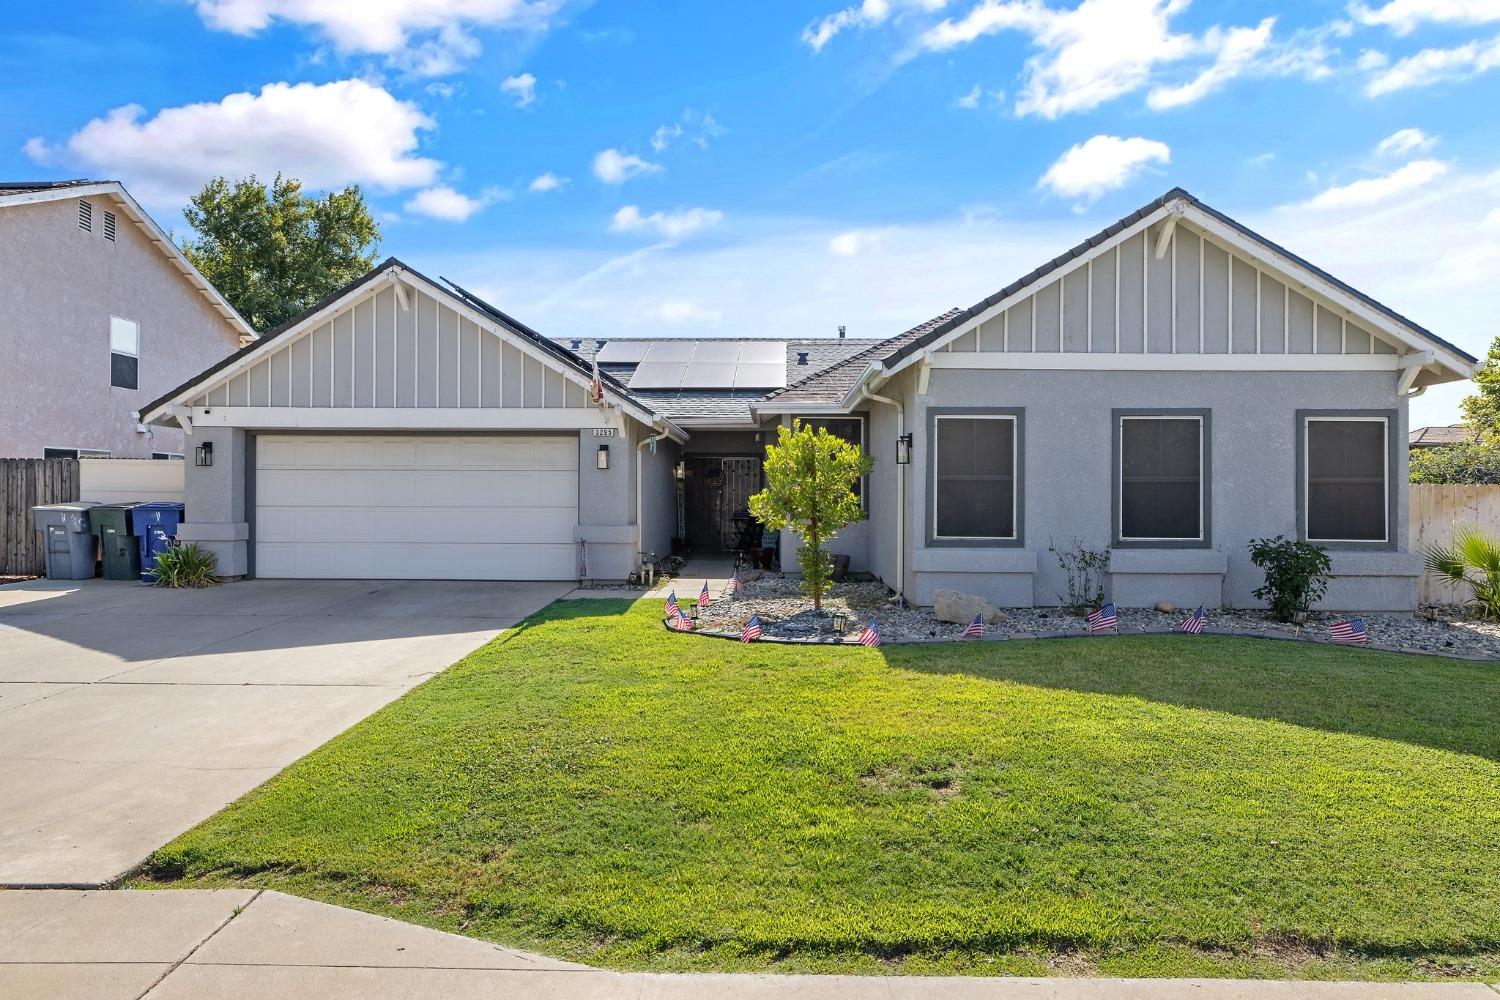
column 593, row 787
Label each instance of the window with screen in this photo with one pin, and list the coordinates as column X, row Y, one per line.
column 1160, row 491
column 124, row 353
column 1346, row 479
column 975, row 477
column 850, row 429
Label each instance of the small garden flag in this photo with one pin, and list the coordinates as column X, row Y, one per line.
column 703, row 599
column 752, row 629
column 1349, row 633
column 1103, row 619
column 733, row 586
column 1195, row 622
column 673, row 611
column 681, row 623
column 871, row 635
column 975, row 628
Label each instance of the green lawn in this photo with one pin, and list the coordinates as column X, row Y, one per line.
column 595, row 788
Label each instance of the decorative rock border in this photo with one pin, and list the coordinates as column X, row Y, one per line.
column 1123, row 633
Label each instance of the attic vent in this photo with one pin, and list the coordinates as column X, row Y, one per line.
column 801, row 357
column 109, row 226
column 85, row 216
column 598, row 345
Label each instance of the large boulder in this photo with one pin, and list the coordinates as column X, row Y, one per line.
column 960, row 608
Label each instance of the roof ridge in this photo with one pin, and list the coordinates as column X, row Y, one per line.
column 851, row 359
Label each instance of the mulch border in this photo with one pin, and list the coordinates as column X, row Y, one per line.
column 1125, row 633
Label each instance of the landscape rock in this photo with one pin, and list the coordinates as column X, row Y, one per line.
column 1165, row 607
column 960, row 608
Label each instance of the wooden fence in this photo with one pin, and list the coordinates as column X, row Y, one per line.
column 1435, row 510
column 24, row 483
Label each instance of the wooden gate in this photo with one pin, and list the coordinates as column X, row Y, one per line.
column 24, row 483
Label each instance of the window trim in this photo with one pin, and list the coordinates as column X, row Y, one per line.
column 135, row 355
column 864, row 433
column 1204, row 417
column 1392, row 462
column 78, row 452
column 1017, row 416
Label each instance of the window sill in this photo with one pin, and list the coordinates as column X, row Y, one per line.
column 974, row 559
column 1168, row 561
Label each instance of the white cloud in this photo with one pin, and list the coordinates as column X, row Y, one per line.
column 614, row 167
column 522, row 88
column 968, row 101
column 441, row 89
column 663, row 136
column 698, row 129
column 1100, row 50
column 855, row 242
column 670, row 226
column 547, row 182
column 1404, row 16
column 1407, row 140
column 327, row 135
column 1374, row 190
column 681, row 311
column 427, row 37
column 1436, row 65
column 823, row 30
column 442, row 202
column 1102, row 164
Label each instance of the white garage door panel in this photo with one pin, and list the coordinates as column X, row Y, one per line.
column 393, row 507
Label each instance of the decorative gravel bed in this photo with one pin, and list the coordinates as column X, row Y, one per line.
column 786, row 614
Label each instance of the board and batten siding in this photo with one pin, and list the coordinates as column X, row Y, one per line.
column 1198, row 298
column 375, row 353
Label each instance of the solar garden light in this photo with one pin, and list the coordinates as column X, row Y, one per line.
column 840, row 619
column 692, row 612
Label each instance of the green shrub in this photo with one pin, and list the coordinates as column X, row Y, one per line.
column 1473, row 560
column 1296, row 575
column 1474, row 463
column 185, row 565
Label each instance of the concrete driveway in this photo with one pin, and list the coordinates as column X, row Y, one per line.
column 128, row 713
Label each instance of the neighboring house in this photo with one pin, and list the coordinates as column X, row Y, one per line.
column 101, row 312
column 1167, row 391
column 1437, row 437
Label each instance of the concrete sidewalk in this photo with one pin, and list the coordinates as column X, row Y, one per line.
column 233, row 944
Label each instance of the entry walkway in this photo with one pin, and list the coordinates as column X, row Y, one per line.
column 248, row 945
column 716, row 569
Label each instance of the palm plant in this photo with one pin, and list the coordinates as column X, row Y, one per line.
column 1473, row 560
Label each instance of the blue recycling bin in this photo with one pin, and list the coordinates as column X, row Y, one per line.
column 155, row 524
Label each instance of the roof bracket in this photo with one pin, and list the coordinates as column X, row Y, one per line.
column 1168, row 228
column 924, row 373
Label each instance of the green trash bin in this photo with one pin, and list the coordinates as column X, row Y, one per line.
column 120, row 549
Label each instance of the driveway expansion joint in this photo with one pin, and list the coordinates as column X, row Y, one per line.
column 194, row 949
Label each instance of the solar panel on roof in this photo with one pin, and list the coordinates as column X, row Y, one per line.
column 623, row 352
column 717, row 350
column 760, row 376
column 763, row 352
column 669, row 350
column 657, row 375
column 708, row 375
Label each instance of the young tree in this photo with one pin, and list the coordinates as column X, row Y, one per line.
column 275, row 252
column 810, row 478
column 1482, row 410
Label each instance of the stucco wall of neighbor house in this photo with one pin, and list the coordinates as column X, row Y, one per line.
column 1067, row 484
column 62, row 284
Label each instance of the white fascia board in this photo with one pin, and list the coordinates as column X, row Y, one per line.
column 153, row 232
column 1051, row 361
column 1299, row 276
column 1172, row 208
column 385, row 420
column 818, row 409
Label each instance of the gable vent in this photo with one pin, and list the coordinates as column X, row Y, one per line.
column 109, row 226
column 86, row 216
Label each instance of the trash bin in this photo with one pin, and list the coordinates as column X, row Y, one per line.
column 70, row 544
column 119, row 549
column 155, row 524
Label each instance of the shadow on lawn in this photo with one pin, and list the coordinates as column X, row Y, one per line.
column 1426, row 701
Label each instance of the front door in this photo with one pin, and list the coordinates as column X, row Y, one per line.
column 716, row 489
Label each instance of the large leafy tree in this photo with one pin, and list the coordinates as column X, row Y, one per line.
column 810, row 478
column 273, row 251
column 1482, row 410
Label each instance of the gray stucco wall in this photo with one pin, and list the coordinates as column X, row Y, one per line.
column 61, row 285
column 659, row 497
column 1067, row 486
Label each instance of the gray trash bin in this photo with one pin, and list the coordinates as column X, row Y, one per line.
column 69, row 541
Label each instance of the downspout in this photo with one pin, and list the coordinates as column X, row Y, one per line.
column 900, row 493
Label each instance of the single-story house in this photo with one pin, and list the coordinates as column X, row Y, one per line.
column 1168, row 390
column 100, row 312
column 1438, row 436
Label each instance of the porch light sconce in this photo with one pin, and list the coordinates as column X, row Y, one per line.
column 903, row 449
column 679, row 471
column 601, row 460
column 203, row 455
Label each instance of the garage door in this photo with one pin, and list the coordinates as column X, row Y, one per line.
column 416, row 508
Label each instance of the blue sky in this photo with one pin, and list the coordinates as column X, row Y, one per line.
column 709, row 168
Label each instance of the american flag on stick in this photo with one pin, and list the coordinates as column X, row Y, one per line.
column 975, row 628
column 1195, row 622
column 681, row 623
column 752, row 629
column 596, row 387
column 1348, row 633
column 733, row 586
column 1104, row 619
column 870, row 636
column 673, row 610
column 703, row 599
